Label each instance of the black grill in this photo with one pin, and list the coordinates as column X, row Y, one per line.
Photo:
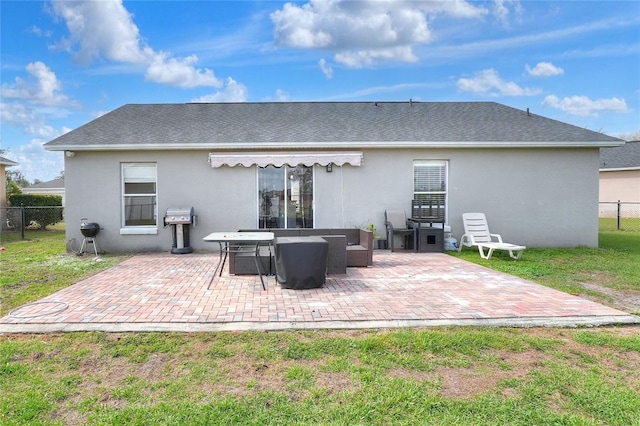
column 90, row 229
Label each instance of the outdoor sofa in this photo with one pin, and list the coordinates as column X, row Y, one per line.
column 348, row 247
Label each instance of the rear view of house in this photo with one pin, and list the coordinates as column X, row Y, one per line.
column 329, row 165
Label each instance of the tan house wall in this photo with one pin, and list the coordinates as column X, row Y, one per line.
column 3, row 185
column 620, row 185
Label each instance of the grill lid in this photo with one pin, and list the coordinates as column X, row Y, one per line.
column 179, row 211
column 89, row 229
column 178, row 215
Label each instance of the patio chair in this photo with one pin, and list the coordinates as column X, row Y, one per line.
column 396, row 223
column 476, row 233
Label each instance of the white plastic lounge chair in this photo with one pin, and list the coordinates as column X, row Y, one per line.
column 476, row 233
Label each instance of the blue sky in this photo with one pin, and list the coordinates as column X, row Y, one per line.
column 64, row 63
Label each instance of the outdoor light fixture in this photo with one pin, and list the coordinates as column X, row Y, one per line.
column 329, row 167
column 70, row 154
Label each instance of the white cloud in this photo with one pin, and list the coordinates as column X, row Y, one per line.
column 100, row 29
column 544, row 69
column 27, row 118
column 364, row 32
column 38, row 31
column 35, row 98
column 232, row 92
column 181, row 73
column 105, row 29
column 503, row 13
column 100, row 113
column 36, row 163
column 387, row 90
column 361, row 58
column 43, row 88
column 281, row 96
column 488, row 82
column 582, row 105
column 325, row 68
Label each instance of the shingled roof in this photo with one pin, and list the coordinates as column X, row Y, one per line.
column 322, row 125
column 7, row 162
column 626, row 156
column 55, row 183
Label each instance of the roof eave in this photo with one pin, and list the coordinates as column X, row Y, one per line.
column 620, row 169
column 331, row 145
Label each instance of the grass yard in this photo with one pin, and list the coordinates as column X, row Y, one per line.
column 441, row 376
column 626, row 224
column 607, row 274
column 38, row 266
column 444, row 376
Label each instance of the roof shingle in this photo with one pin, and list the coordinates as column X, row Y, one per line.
column 288, row 123
column 621, row 157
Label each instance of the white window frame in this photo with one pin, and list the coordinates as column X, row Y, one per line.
column 142, row 177
column 442, row 170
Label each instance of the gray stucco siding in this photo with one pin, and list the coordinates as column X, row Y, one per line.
column 536, row 197
column 540, row 198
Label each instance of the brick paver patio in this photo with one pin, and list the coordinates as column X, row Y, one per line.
column 169, row 292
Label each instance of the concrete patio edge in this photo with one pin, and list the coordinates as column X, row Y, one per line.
column 562, row 322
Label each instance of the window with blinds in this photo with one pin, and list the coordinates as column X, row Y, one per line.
column 429, row 189
column 139, row 194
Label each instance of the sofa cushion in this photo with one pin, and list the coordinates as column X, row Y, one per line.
column 357, row 255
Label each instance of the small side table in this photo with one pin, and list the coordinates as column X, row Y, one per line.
column 428, row 238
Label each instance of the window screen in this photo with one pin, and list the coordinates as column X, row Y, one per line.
column 139, row 194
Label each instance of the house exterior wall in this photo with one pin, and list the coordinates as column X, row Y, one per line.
column 3, row 185
column 536, row 197
column 620, row 185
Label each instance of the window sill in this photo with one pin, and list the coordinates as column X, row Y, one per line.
column 139, row 231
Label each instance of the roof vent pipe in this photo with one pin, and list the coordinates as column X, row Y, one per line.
column 528, row 112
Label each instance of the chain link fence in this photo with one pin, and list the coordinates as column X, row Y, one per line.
column 620, row 216
column 17, row 220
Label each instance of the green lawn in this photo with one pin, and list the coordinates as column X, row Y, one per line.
column 39, row 266
column 626, row 224
column 440, row 376
column 614, row 264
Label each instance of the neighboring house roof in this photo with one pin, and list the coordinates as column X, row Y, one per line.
column 295, row 125
column 51, row 184
column 51, row 187
column 625, row 157
column 7, row 162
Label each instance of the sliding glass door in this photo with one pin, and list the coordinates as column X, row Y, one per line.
column 285, row 196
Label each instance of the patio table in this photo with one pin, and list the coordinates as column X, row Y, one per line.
column 250, row 239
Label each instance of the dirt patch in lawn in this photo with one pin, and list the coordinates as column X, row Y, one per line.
column 192, row 374
column 627, row 301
